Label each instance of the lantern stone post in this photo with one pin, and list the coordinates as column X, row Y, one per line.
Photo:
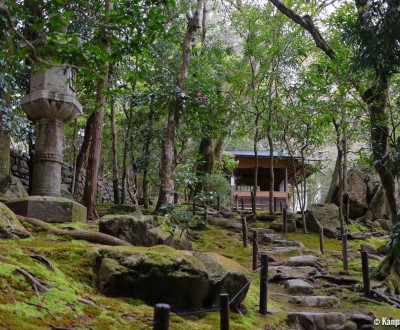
column 51, row 103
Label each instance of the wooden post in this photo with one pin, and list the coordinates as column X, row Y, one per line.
column 344, row 253
column 242, row 201
column 218, row 203
column 284, row 215
column 255, row 249
column 237, row 203
column 161, row 317
column 321, row 241
column 281, row 205
column 365, row 270
column 205, row 213
column 224, row 311
column 264, row 284
column 253, row 203
column 244, row 232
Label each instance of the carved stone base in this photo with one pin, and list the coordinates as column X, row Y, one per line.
column 48, row 208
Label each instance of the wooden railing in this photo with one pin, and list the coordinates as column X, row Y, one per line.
column 242, row 199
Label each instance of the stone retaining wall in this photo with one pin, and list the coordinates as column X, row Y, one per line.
column 19, row 168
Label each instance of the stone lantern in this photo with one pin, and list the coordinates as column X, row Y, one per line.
column 51, row 103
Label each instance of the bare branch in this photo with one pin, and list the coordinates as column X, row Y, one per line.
column 307, row 23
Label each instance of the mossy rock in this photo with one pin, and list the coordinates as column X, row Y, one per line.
column 143, row 230
column 10, row 227
column 183, row 279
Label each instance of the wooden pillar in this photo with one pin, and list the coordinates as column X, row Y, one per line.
column 285, row 186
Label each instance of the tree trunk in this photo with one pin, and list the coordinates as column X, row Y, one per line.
column 218, row 151
column 376, row 98
column 90, row 192
column 167, row 153
column 74, row 148
column 334, row 181
column 165, row 195
column 206, row 153
column 128, row 113
column 146, row 153
column 271, row 169
column 255, row 181
column 114, row 154
column 81, row 158
column 4, row 150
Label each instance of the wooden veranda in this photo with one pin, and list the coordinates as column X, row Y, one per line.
column 287, row 172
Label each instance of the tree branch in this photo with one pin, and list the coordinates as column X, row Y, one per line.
column 307, row 23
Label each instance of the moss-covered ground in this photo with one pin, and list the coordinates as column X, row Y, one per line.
column 73, row 301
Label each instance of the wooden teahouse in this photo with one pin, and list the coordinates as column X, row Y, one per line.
column 287, row 173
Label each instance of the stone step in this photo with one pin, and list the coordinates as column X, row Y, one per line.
column 315, row 301
column 282, row 273
column 329, row 321
column 299, row 286
column 305, row 260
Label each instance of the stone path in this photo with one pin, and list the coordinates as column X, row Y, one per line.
column 305, row 284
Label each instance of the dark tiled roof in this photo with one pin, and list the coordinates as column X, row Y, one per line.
column 261, row 153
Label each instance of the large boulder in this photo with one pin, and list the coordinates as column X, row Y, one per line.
column 143, row 230
column 324, row 216
column 10, row 227
column 11, row 187
column 367, row 200
column 359, row 187
column 184, row 279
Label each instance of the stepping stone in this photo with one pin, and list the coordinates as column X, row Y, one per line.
column 368, row 248
column 285, row 242
column 329, row 321
column 262, row 231
column 301, row 261
column 315, row 301
column 299, row 286
column 282, row 249
column 281, row 273
column 270, row 238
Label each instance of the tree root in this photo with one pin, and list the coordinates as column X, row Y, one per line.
column 31, row 279
column 89, row 236
column 43, row 307
column 385, row 298
column 43, row 260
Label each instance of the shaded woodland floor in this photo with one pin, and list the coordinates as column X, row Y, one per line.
column 72, row 300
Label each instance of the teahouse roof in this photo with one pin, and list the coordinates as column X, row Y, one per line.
column 293, row 163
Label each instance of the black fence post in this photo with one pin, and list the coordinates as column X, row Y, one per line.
column 224, row 311
column 242, row 202
column 321, row 241
column 255, row 249
column 161, row 317
column 365, row 271
column 284, row 215
column 344, row 253
column 194, row 208
column 218, row 203
column 264, row 284
column 244, row 232
column 253, row 203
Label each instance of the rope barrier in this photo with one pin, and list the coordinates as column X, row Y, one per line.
column 246, row 285
column 148, row 326
column 202, row 311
